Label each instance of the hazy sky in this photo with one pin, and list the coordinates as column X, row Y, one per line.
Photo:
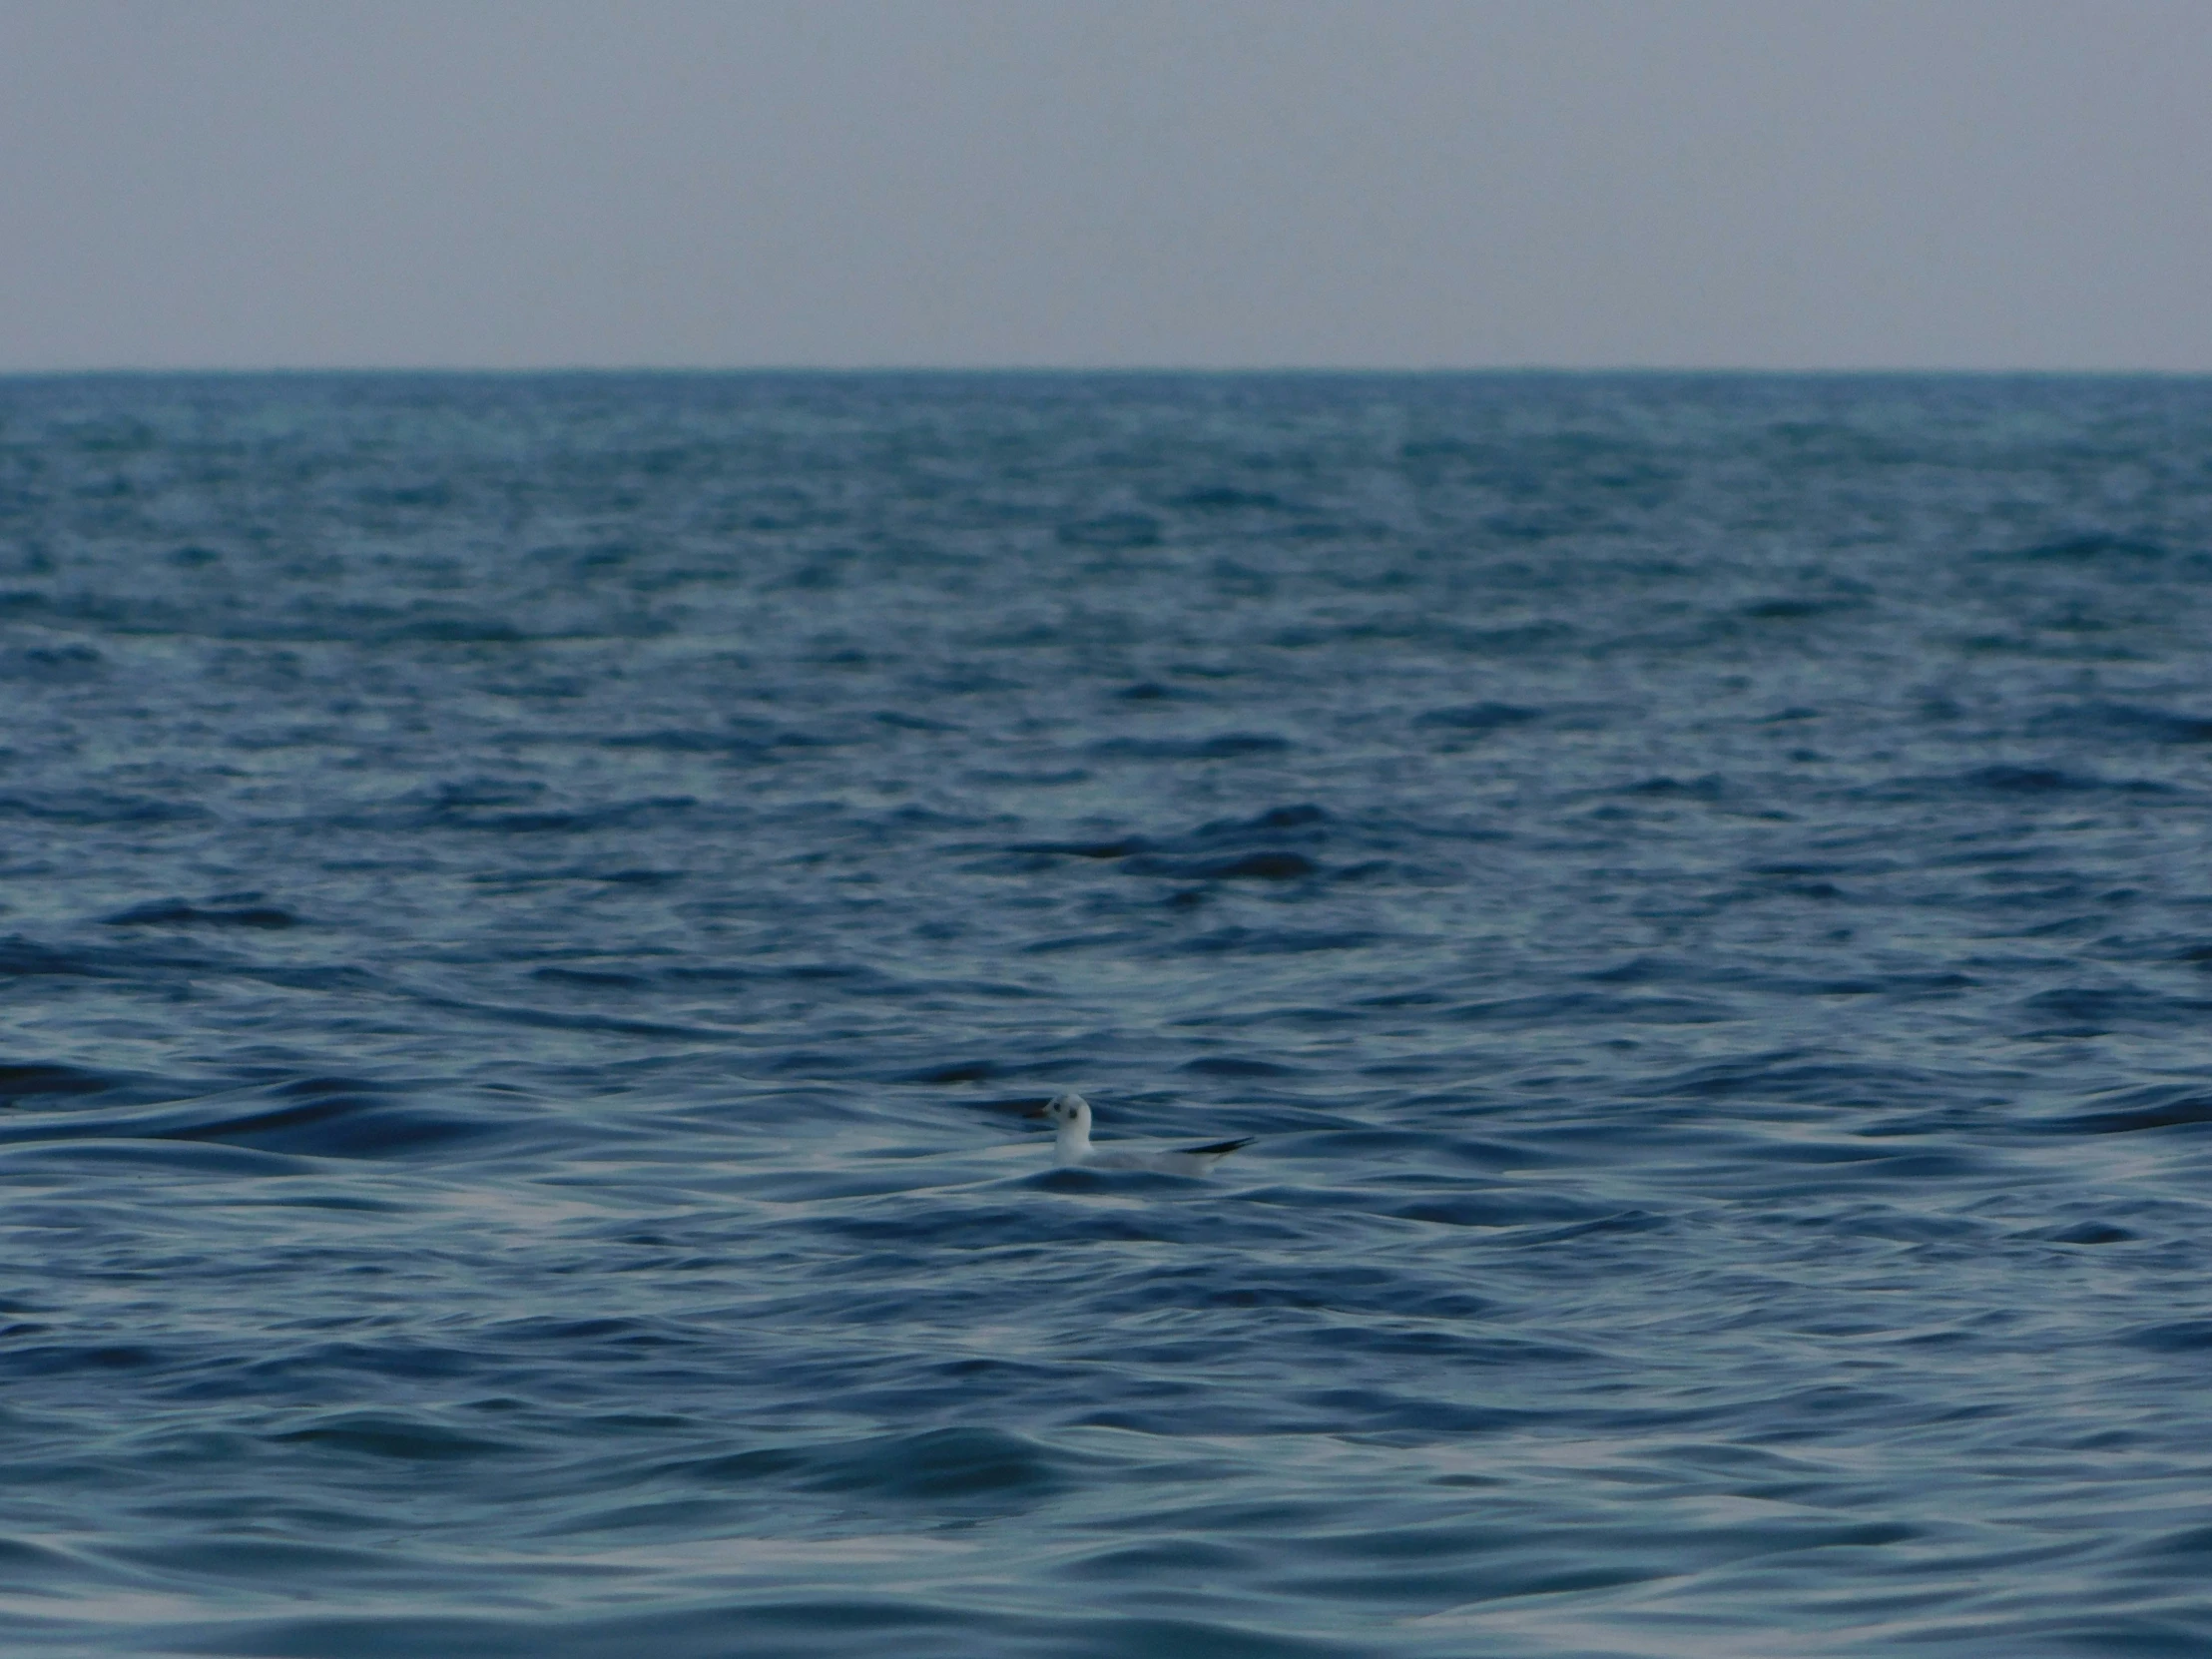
column 1979, row 183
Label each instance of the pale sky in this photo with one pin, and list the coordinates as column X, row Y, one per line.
column 1418, row 183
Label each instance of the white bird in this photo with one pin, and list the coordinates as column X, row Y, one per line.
column 1073, row 1114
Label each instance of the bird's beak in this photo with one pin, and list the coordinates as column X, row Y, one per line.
column 1039, row 1111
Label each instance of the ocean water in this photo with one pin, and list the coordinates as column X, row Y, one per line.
column 532, row 907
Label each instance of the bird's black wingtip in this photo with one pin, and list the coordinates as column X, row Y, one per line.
column 1220, row 1149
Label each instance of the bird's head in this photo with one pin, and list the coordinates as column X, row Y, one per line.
column 1064, row 1108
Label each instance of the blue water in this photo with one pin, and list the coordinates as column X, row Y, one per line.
column 532, row 907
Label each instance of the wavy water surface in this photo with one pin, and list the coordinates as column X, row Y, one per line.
column 533, row 907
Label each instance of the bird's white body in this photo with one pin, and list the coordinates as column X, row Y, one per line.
column 1073, row 1114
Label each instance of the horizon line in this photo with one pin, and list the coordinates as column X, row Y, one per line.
column 857, row 370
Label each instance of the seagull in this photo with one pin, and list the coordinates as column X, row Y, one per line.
column 1073, row 1114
